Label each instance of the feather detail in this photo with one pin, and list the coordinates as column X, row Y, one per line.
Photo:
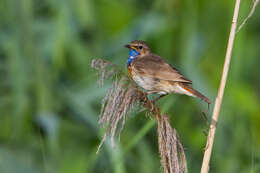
column 193, row 92
column 154, row 66
column 130, row 71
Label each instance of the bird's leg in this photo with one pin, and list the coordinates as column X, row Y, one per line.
column 155, row 100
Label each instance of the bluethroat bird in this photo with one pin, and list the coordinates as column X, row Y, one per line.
column 155, row 75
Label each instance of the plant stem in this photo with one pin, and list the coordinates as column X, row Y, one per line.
column 218, row 102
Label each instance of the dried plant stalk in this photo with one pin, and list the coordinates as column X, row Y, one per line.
column 255, row 2
column 172, row 153
column 218, row 102
column 120, row 99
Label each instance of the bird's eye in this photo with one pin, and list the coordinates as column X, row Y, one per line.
column 140, row 47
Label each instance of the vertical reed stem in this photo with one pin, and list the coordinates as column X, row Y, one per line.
column 218, row 102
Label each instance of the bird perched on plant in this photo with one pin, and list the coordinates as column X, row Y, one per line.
column 155, row 75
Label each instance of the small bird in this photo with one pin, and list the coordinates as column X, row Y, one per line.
column 155, row 75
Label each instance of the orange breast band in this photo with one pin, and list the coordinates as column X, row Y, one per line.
column 130, row 71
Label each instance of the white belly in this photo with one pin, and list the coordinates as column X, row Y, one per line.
column 152, row 85
column 144, row 82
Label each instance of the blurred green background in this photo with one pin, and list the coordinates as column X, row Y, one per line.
column 50, row 100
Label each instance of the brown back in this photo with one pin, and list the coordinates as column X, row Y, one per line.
column 154, row 66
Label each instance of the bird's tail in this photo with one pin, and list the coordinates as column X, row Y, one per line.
column 193, row 92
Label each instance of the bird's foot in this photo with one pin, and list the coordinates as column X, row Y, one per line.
column 152, row 106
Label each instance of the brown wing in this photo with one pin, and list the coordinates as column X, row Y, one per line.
column 154, row 66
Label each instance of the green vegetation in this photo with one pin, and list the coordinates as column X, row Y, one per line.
column 50, row 99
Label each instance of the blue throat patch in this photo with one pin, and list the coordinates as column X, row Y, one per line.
column 132, row 55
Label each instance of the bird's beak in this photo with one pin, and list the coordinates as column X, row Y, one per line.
column 128, row 46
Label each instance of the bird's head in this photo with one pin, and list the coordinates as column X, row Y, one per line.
column 139, row 46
